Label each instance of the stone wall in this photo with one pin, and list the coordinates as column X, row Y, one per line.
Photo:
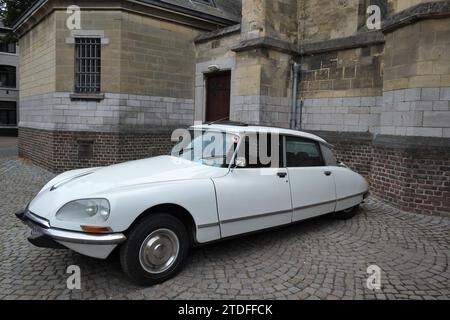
column 147, row 84
column 215, row 46
column 115, row 113
column 324, row 19
column 37, row 59
column 344, row 73
column 157, row 58
column 400, row 5
column 264, row 110
column 140, row 55
column 351, row 114
column 276, row 19
column 416, row 112
column 418, row 56
column 263, row 78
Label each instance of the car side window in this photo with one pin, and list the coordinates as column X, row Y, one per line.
column 302, row 152
column 258, row 157
column 328, row 156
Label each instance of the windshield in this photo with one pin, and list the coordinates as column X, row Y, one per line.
column 212, row 148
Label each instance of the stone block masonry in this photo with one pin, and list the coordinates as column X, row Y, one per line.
column 416, row 112
column 117, row 112
column 264, row 110
column 347, row 114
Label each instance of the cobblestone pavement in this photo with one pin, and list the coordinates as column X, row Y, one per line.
column 318, row 259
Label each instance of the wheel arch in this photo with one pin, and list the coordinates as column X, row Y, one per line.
column 175, row 210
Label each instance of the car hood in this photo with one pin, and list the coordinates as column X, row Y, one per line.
column 99, row 182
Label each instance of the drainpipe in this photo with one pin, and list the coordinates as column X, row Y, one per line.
column 294, row 106
column 299, row 113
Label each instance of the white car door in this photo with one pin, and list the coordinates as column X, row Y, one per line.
column 312, row 182
column 253, row 198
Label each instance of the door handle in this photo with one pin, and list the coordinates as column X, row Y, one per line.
column 327, row 173
column 282, row 174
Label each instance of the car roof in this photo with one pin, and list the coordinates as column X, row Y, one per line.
column 242, row 129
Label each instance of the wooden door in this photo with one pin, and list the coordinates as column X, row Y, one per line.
column 218, row 96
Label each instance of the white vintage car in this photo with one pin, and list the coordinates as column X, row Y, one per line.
column 154, row 210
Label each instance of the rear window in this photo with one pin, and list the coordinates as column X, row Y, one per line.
column 303, row 153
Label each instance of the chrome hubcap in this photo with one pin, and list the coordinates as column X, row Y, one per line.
column 159, row 251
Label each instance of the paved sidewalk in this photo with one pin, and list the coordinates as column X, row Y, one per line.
column 8, row 147
column 318, row 259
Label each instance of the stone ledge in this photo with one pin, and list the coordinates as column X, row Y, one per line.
column 339, row 137
column 402, row 142
column 267, row 43
column 205, row 37
column 131, row 130
column 87, row 96
column 429, row 10
column 411, row 142
column 355, row 41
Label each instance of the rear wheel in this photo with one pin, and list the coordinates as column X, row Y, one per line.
column 155, row 250
column 347, row 214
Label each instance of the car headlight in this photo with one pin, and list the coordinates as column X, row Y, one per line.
column 94, row 209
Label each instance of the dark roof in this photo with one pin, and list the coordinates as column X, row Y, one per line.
column 225, row 9
column 225, row 12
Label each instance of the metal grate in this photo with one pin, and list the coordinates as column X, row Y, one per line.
column 87, row 65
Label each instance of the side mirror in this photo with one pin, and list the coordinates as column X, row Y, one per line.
column 240, row 162
column 341, row 164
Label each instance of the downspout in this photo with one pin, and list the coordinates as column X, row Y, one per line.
column 294, row 105
column 299, row 111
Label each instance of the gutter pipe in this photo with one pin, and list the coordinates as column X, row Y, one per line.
column 294, row 106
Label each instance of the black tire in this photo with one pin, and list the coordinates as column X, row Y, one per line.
column 130, row 251
column 347, row 214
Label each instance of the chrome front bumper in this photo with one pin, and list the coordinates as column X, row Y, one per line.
column 42, row 230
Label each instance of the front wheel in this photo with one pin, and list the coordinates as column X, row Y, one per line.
column 347, row 214
column 155, row 250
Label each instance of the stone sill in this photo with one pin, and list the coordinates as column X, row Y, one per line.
column 87, row 96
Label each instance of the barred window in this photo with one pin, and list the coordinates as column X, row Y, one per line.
column 87, row 65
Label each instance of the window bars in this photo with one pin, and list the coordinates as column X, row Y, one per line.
column 87, row 65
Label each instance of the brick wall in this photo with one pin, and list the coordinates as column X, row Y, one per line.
column 415, row 177
column 59, row 151
column 37, row 146
column 416, row 180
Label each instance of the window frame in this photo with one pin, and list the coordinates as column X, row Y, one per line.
column 281, row 152
column 93, row 88
column 317, row 143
